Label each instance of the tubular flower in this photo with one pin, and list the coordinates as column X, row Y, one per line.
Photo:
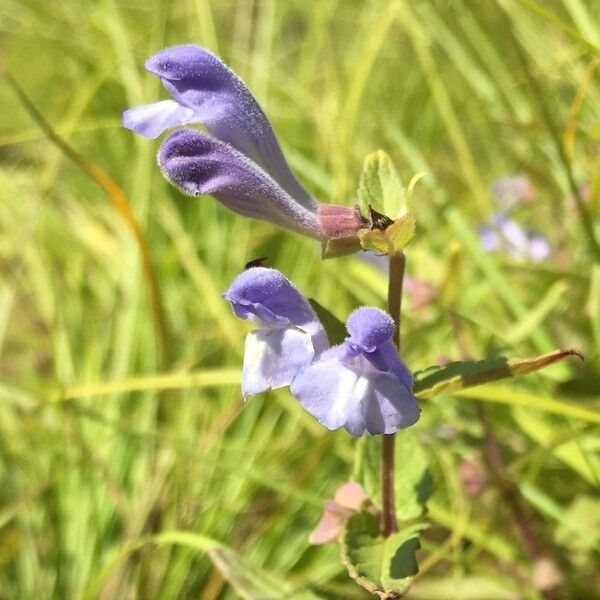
column 289, row 334
column 239, row 161
column 361, row 385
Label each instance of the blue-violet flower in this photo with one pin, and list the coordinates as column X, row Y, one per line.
column 361, row 385
column 289, row 336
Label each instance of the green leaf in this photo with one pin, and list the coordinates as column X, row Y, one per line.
column 380, row 187
column 391, row 241
column 383, row 566
column 412, row 481
column 460, row 375
column 336, row 330
column 375, row 240
column 401, row 232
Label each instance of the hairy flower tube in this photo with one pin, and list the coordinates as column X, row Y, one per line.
column 361, row 385
column 239, row 160
column 289, row 334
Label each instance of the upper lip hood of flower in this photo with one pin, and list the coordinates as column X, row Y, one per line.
column 199, row 164
column 266, row 297
column 240, row 162
column 369, row 328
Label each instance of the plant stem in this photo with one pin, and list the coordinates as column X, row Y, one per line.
column 388, row 509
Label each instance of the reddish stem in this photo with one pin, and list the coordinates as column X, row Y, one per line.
column 388, row 509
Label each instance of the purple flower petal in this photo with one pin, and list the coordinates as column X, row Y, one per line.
column 514, row 238
column 220, row 101
column 371, row 331
column 150, row 120
column 539, row 247
column 521, row 245
column 199, row 164
column 273, row 357
column 490, row 240
column 353, row 394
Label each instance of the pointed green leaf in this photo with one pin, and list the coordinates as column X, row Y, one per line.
column 380, row 186
column 383, row 566
column 401, row 231
column 336, row 330
column 391, row 241
column 459, row 375
column 375, row 240
column 412, row 481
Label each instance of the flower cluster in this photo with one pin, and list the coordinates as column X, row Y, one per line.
column 361, row 384
column 239, row 160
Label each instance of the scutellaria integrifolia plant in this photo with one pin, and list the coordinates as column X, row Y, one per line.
column 239, row 161
column 359, row 385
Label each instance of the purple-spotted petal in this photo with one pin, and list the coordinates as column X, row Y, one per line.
column 273, row 357
column 355, row 395
column 199, row 164
column 220, row 100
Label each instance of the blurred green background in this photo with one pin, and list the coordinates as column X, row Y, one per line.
column 118, row 459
